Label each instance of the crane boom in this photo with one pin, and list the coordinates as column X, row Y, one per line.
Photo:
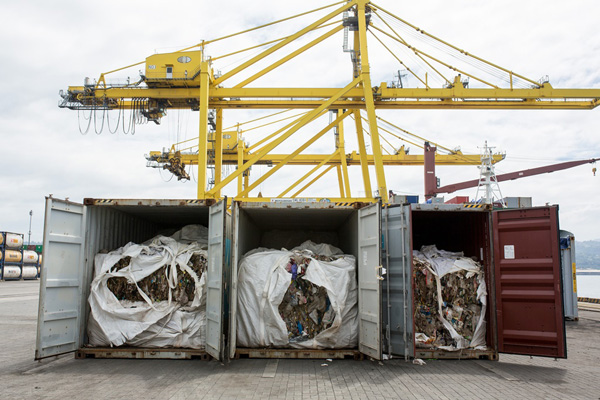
column 516, row 175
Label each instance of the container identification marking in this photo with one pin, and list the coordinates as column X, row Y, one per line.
column 509, row 252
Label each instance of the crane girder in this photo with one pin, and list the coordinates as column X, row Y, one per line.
column 352, row 159
column 545, row 97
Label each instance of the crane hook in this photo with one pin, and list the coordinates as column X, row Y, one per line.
column 594, row 171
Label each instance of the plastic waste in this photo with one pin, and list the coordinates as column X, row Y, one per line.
column 450, row 300
column 149, row 295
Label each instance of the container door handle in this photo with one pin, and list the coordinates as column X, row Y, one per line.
column 379, row 271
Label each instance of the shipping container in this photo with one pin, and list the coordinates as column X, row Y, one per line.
column 518, row 202
column 404, row 199
column 519, row 252
column 458, row 200
column 74, row 233
column 569, row 274
column 11, row 255
column 354, row 228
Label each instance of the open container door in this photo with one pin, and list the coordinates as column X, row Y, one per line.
column 369, row 281
column 397, row 298
column 214, row 282
column 59, row 312
column 233, row 278
column 528, row 281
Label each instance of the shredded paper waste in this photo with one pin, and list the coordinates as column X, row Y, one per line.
column 151, row 294
column 450, row 300
column 303, row 298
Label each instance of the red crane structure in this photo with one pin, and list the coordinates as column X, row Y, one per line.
column 432, row 189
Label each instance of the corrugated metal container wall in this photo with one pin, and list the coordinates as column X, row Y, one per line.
column 288, row 224
column 519, row 284
column 451, row 228
column 397, row 287
column 529, row 303
column 69, row 254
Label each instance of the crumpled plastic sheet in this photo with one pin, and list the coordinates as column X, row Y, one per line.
column 305, row 308
column 156, row 295
column 450, row 294
column 312, row 305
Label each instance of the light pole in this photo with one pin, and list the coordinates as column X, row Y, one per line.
column 30, row 216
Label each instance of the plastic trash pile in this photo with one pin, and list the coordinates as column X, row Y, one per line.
column 306, row 297
column 151, row 294
column 156, row 285
column 450, row 300
column 305, row 308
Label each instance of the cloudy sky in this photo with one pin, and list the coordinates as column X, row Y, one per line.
column 48, row 46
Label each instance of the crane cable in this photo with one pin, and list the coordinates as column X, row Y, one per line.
column 95, row 125
column 119, row 108
column 79, row 122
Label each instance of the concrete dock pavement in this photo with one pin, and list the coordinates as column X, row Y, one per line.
column 581, row 305
column 513, row 377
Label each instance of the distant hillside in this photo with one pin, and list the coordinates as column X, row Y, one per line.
column 587, row 254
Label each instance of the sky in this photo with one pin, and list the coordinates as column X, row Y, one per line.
column 48, row 46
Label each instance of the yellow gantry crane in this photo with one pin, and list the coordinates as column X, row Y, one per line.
column 235, row 152
column 186, row 79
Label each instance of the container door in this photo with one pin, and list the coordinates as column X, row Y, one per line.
column 59, row 314
column 529, row 304
column 397, row 294
column 232, row 343
column 214, row 285
column 369, row 281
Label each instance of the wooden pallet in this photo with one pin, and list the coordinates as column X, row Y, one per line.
column 133, row 352
column 298, row 353
column 464, row 354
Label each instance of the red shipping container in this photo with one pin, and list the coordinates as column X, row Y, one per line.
column 458, row 200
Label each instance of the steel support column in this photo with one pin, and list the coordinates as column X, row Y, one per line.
column 218, row 146
column 370, row 103
column 203, row 135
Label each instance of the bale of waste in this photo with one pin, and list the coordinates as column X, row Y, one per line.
column 150, row 295
column 303, row 298
column 305, row 308
column 156, row 285
column 450, row 300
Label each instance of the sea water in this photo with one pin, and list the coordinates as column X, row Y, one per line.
column 588, row 286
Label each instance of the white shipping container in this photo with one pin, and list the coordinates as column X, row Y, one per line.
column 355, row 231
column 73, row 235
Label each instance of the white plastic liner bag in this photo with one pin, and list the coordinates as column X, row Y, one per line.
column 114, row 322
column 263, row 282
column 446, row 262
